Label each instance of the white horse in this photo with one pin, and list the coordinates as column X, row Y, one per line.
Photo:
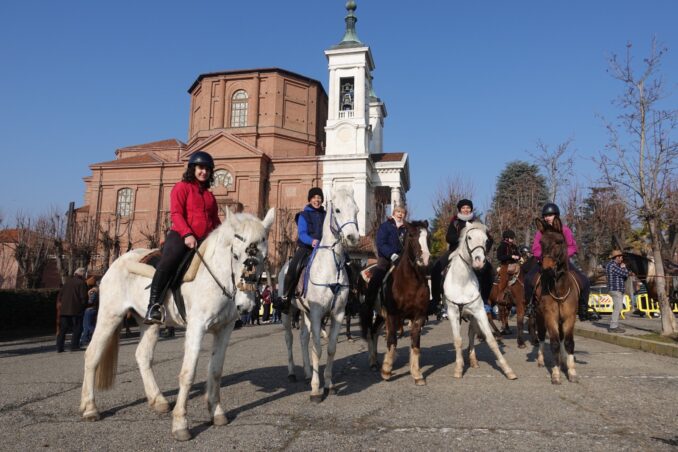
column 327, row 291
column 232, row 252
column 461, row 292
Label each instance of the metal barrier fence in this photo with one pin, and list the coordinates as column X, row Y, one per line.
column 602, row 304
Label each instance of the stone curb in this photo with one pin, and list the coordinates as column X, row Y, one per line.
column 645, row 345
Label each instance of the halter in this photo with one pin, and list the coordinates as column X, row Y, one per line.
column 333, row 221
column 470, row 251
column 248, row 277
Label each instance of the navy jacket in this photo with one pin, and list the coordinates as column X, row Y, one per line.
column 390, row 238
column 310, row 225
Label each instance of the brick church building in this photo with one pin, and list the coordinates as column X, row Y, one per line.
column 273, row 134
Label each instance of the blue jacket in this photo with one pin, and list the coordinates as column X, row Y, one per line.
column 310, row 225
column 390, row 238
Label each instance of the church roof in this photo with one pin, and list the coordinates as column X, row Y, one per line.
column 135, row 159
column 248, row 71
column 387, row 157
column 162, row 145
column 9, row 236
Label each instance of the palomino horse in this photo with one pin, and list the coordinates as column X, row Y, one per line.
column 405, row 297
column 557, row 294
column 235, row 249
column 461, row 292
column 514, row 295
column 326, row 292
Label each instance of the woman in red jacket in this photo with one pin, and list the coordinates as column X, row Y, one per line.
column 194, row 213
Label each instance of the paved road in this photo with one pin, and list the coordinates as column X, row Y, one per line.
column 625, row 400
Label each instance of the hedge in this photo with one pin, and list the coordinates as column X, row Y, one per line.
column 24, row 311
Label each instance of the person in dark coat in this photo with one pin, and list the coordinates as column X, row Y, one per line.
column 309, row 231
column 507, row 253
column 91, row 310
column 72, row 301
column 457, row 223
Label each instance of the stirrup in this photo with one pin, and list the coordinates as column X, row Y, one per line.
column 151, row 320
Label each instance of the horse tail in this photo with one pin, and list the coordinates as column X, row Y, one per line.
column 106, row 370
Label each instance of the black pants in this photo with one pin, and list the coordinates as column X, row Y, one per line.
column 292, row 275
column 173, row 251
column 72, row 323
column 485, row 278
column 377, row 278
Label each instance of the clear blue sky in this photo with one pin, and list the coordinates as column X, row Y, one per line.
column 469, row 86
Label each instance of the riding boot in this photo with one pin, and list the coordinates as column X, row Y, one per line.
column 583, row 310
column 160, row 280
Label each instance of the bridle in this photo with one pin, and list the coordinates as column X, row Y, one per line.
column 339, row 229
column 471, row 250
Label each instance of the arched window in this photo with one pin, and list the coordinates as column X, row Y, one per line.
column 239, row 109
column 124, row 208
column 222, row 178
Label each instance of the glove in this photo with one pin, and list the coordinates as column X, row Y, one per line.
column 394, row 257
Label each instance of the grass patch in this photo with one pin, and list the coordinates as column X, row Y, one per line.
column 659, row 338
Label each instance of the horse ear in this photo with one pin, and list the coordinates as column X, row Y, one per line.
column 557, row 224
column 269, row 218
column 539, row 224
column 426, row 224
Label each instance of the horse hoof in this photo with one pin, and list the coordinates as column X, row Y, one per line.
column 555, row 381
column 385, row 375
column 374, row 367
column 181, row 435
column 522, row 345
column 161, row 407
column 457, row 375
column 91, row 416
column 316, row 398
column 292, row 378
column 420, row 381
column 219, row 420
column 573, row 379
column 332, row 391
column 511, row 376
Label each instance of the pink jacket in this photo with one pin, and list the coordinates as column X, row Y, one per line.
column 569, row 239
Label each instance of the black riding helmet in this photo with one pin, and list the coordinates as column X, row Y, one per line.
column 550, row 209
column 508, row 234
column 524, row 249
column 202, row 158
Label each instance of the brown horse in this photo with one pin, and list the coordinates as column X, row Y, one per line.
column 514, row 295
column 556, row 292
column 406, row 296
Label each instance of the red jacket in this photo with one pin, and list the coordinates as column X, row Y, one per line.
column 193, row 210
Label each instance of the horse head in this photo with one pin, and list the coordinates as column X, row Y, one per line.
column 472, row 244
column 249, row 248
column 343, row 216
column 553, row 248
column 415, row 245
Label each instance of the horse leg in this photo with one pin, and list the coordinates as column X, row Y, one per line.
column 289, row 342
column 520, row 316
column 554, row 340
column 335, row 326
column 372, row 341
column 415, row 351
column 453, row 314
column 391, row 344
column 193, row 338
column 304, row 338
column 484, row 326
column 568, row 342
column 540, row 337
column 144, row 357
column 314, row 324
column 215, row 370
column 471, row 349
column 100, row 361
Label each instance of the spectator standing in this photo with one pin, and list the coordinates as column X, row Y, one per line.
column 72, row 302
column 616, row 276
column 266, row 301
column 91, row 310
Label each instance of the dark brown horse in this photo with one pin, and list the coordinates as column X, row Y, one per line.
column 644, row 270
column 556, row 292
column 406, row 296
column 514, row 295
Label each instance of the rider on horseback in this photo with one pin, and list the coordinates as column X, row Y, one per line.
column 194, row 213
column 465, row 214
column 549, row 213
column 507, row 255
column 309, row 230
column 390, row 237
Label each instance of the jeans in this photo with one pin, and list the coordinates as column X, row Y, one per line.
column 617, row 303
column 89, row 322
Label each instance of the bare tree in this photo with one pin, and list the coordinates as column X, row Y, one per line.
column 557, row 164
column 641, row 158
column 35, row 246
column 445, row 207
column 285, row 236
